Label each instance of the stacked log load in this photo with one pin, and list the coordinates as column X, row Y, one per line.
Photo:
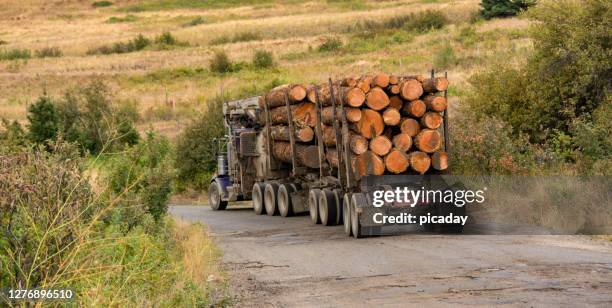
column 394, row 123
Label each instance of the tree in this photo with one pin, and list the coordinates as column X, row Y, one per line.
column 503, row 8
column 44, row 120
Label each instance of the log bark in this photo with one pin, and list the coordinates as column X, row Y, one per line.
column 433, row 85
column 306, row 155
column 328, row 135
column 303, row 115
column 349, row 82
column 431, row 120
column 276, row 96
column 411, row 89
column 397, row 161
column 391, row 116
column 332, row 157
column 380, row 80
column 380, row 145
column 439, row 160
column 358, row 144
column 353, row 97
column 396, row 102
column 301, row 134
column 368, row 163
column 435, row 103
column 419, row 162
column 415, row 108
column 402, row 142
column 370, row 125
column 428, row 141
column 353, row 115
column 377, row 99
column 410, row 127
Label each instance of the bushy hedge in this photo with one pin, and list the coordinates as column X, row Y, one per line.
column 504, row 8
column 560, row 98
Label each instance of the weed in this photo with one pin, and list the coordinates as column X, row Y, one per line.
column 263, row 59
column 126, row 18
column 103, row 3
column 49, row 52
column 330, row 44
column 238, row 37
column 14, row 54
column 220, row 62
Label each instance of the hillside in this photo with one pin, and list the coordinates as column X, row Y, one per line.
column 168, row 82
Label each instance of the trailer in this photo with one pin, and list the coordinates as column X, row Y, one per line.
column 248, row 170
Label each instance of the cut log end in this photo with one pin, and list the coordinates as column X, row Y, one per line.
column 415, row 108
column 380, row 80
column 410, row 127
column 411, row 89
column 354, row 97
column 297, row 93
column 391, row 116
column 371, row 124
column 431, row 120
column 368, row 163
column 396, row 102
column 402, row 142
column 428, row 140
column 435, row 103
column 419, row 162
column 439, row 160
column 380, row 145
column 396, row 161
column 377, row 99
column 433, row 85
column 358, row 144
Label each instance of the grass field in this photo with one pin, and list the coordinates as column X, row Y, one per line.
column 171, row 83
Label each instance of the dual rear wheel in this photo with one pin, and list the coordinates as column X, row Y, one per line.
column 273, row 199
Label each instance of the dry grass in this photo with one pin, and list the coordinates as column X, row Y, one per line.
column 287, row 29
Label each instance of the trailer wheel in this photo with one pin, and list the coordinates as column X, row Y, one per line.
column 285, row 207
column 270, row 198
column 258, row 198
column 313, row 205
column 327, row 207
column 339, row 212
column 358, row 200
column 214, row 197
column 346, row 214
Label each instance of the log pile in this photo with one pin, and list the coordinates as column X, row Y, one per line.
column 394, row 123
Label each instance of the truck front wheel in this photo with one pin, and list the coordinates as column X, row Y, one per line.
column 214, row 197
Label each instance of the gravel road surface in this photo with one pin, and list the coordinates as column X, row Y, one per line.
column 288, row 262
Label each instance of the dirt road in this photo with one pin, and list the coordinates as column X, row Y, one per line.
column 276, row 261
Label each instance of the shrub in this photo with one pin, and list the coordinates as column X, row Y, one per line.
column 103, row 3
column 195, row 150
column 15, row 54
column 445, row 57
column 503, row 8
column 44, row 120
column 49, row 52
column 3, row 42
column 166, row 38
column 194, row 22
column 126, row 18
column 238, row 37
column 330, row 44
column 12, row 135
column 556, row 96
column 425, row 21
column 263, row 59
column 138, row 43
column 220, row 62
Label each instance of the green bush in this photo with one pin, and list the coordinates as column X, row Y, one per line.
column 263, row 59
column 220, row 63
column 166, row 38
column 503, row 8
column 12, row 135
column 425, row 21
column 194, row 22
column 15, row 54
column 44, row 120
column 126, row 18
column 103, row 3
column 556, row 98
column 330, row 44
column 195, row 149
column 238, row 37
column 445, row 57
column 138, row 43
column 49, row 52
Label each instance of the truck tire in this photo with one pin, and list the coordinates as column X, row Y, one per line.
column 327, row 207
column 258, row 198
column 313, row 205
column 358, row 200
column 285, row 207
column 214, row 197
column 346, row 214
column 338, row 198
column 270, row 198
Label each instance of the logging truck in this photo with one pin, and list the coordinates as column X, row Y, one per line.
column 324, row 149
